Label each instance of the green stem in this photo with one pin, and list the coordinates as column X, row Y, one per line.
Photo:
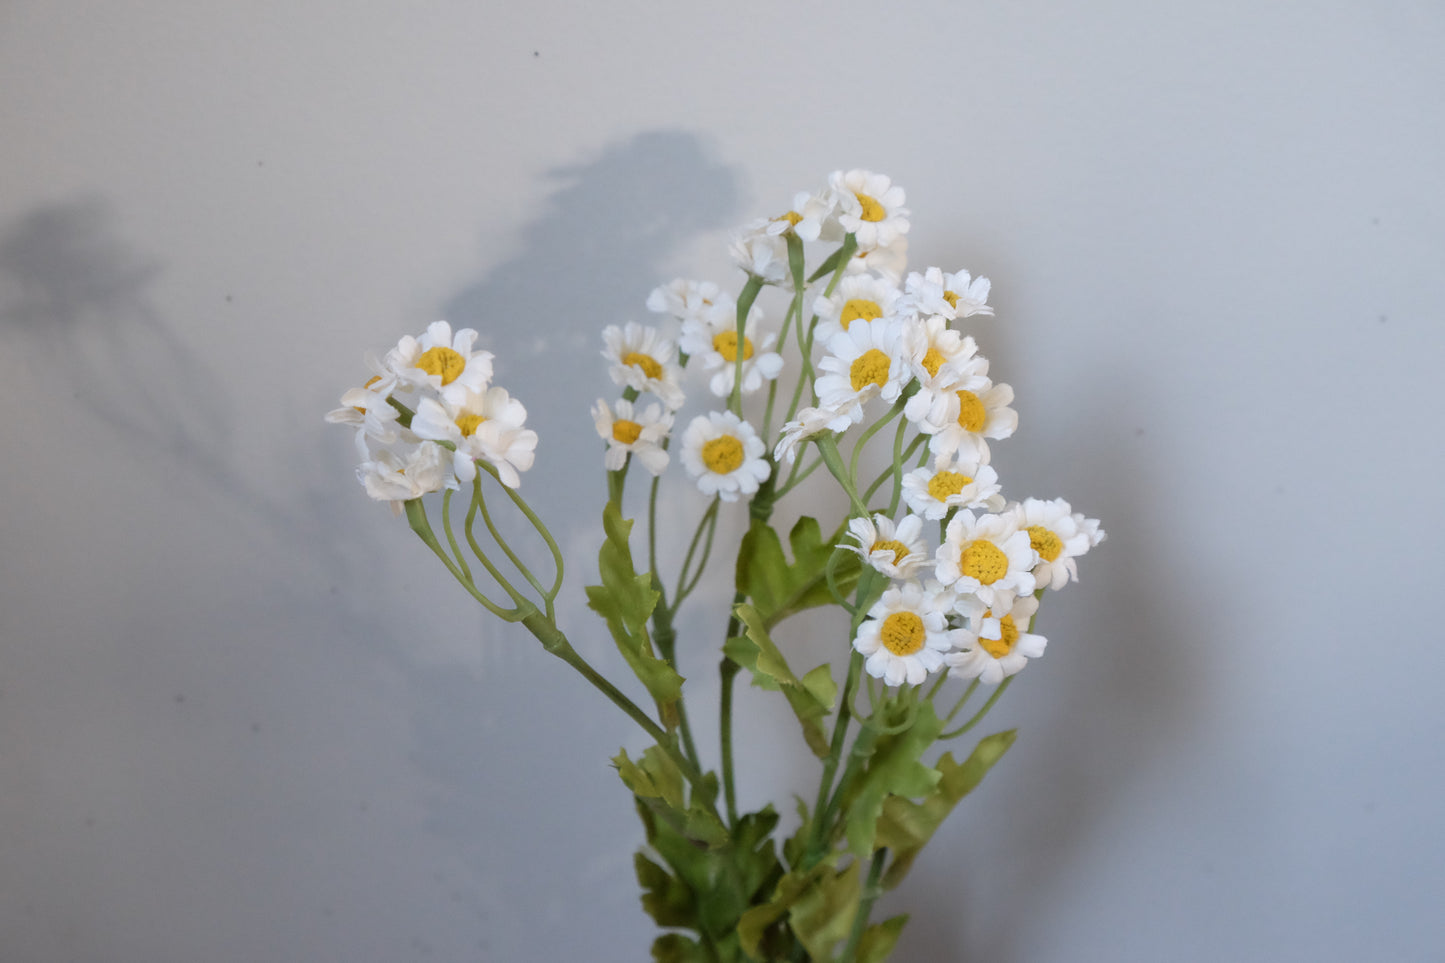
column 871, row 892
column 416, row 516
column 555, row 642
column 728, row 671
column 983, row 711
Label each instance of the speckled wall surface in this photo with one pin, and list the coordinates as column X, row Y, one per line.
column 243, row 716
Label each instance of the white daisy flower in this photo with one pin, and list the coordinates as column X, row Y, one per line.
column 759, row 363
column 683, row 299
column 934, row 492
column 1058, row 536
column 904, row 637
column 967, row 419
column 724, row 455
column 368, row 411
column 643, row 360
column 887, row 260
column 484, row 426
column 811, row 421
column 988, row 555
column 812, row 217
column 706, row 321
column 441, row 360
column 992, row 660
column 870, row 207
column 630, row 432
column 951, row 296
column 898, row 551
column 864, row 361
column 760, row 253
column 399, row 476
column 943, row 361
column 858, row 297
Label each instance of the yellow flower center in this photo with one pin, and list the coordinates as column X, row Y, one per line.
column 984, row 561
column 1045, row 542
column 723, row 454
column 932, row 361
column 646, row 362
column 442, row 361
column 872, row 210
column 792, row 217
column 1004, row 644
column 858, row 309
column 952, row 299
column 725, row 343
column 972, row 415
column 899, row 550
column 902, row 633
column 626, row 431
column 870, row 368
column 947, row 483
column 468, row 424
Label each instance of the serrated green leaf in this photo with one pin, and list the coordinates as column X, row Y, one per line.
column 810, row 698
column 880, row 938
column 676, row 948
column 778, row 588
column 823, row 913
column 893, row 769
column 664, row 897
column 625, row 600
column 758, row 918
column 906, row 826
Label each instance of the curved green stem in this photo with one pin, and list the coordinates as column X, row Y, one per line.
column 983, row 711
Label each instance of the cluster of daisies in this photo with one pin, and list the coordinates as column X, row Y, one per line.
column 878, row 336
column 429, row 414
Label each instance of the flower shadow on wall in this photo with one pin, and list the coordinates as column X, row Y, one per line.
column 509, row 797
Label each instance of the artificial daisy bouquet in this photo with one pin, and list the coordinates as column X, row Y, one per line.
column 869, row 377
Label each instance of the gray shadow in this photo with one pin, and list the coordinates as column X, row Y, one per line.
column 515, row 765
column 1130, row 692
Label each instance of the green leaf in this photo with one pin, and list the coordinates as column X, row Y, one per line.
column 893, row 769
column 754, row 922
column 823, row 914
column 676, row 948
column 906, row 826
column 625, row 600
column 665, row 898
column 657, row 783
column 879, row 939
column 779, row 588
column 811, row 697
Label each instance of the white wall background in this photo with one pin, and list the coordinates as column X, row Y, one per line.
column 243, row 717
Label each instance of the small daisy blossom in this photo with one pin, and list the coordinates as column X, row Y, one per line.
column 686, row 300
column 905, row 635
column 933, row 492
column 898, row 551
column 762, row 254
column 724, row 455
column 968, row 418
column 643, row 360
column 399, row 476
column 951, row 296
column 812, row 421
column 721, row 354
column 987, row 555
column 870, row 207
column 992, row 660
column 628, row 431
column 484, row 426
column 441, row 360
column 812, row 217
column 858, row 297
column 864, row 361
column 368, row 411
column 886, row 260
column 1058, row 536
